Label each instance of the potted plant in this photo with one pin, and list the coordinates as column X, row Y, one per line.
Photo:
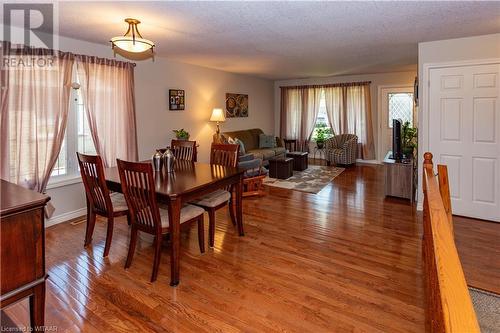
column 409, row 136
column 322, row 133
column 181, row 134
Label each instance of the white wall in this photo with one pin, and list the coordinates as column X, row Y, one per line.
column 381, row 79
column 469, row 49
column 205, row 88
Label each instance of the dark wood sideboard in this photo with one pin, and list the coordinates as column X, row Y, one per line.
column 22, row 249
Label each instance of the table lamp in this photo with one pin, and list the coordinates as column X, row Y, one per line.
column 218, row 116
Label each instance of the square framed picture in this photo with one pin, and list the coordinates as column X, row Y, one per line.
column 236, row 105
column 176, row 100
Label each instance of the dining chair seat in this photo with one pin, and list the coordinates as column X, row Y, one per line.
column 119, row 203
column 213, row 199
column 188, row 212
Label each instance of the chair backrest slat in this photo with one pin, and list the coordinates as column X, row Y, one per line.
column 96, row 190
column 224, row 154
column 184, row 150
column 139, row 190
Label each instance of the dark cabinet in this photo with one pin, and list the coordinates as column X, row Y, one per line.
column 22, row 249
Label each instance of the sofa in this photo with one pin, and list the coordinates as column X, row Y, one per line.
column 250, row 139
column 341, row 149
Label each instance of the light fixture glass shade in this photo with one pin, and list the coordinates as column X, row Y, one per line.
column 218, row 115
column 130, row 44
column 132, row 41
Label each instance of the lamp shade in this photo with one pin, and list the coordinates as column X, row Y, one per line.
column 218, row 115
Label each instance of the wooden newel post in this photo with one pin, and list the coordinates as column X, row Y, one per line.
column 428, row 159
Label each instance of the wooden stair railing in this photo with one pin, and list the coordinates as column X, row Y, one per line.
column 449, row 306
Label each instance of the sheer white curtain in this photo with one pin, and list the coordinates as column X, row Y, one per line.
column 348, row 107
column 310, row 110
column 335, row 109
column 359, row 119
column 108, row 95
column 34, row 106
column 299, row 111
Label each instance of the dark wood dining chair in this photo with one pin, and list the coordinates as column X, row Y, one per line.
column 138, row 186
column 99, row 200
column 226, row 155
column 184, row 150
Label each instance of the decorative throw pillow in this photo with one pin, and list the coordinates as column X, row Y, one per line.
column 267, row 141
column 242, row 145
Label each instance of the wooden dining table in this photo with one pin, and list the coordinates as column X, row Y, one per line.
column 189, row 181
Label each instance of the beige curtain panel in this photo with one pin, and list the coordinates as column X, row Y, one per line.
column 35, row 102
column 108, row 94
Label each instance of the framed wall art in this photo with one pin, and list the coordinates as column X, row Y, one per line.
column 236, row 105
column 177, row 99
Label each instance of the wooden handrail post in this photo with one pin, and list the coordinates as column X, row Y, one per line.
column 428, row 159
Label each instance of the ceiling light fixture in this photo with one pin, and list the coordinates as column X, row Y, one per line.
column 132, row 41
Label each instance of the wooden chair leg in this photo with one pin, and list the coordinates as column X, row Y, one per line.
column 109, row 236
column 91, row 217
column 211, row 227
column 129, row 219
column 230, row 206
column 156, row 262
column 131, row 247
column 201, row 234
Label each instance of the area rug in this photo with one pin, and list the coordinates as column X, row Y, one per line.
column 311, row 180
column 487, row 307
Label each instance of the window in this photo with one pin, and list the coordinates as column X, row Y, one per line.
column 401, row 107
column 77, row 138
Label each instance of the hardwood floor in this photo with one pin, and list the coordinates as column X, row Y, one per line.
column 346, row 259
column 478, row 245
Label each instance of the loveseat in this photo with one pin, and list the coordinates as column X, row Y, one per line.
column 250, row 139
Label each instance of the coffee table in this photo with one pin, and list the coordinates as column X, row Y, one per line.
column 300, row 160
column 281, row 167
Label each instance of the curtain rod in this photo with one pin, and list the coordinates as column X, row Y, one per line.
column 19, row 49
column 340, row 84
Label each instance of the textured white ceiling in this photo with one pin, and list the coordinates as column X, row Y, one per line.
column 279, row 40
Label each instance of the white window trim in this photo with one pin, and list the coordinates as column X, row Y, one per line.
column 64, row 180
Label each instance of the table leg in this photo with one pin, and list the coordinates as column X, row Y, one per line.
column 37, row 308
column 239, row 207
column 174, row 212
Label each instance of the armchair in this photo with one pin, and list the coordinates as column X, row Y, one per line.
column 341, row 149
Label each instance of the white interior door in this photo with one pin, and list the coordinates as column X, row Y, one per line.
column 464, row 134
column 396, row 102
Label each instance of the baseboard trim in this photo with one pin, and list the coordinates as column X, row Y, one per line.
column 65, row 217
